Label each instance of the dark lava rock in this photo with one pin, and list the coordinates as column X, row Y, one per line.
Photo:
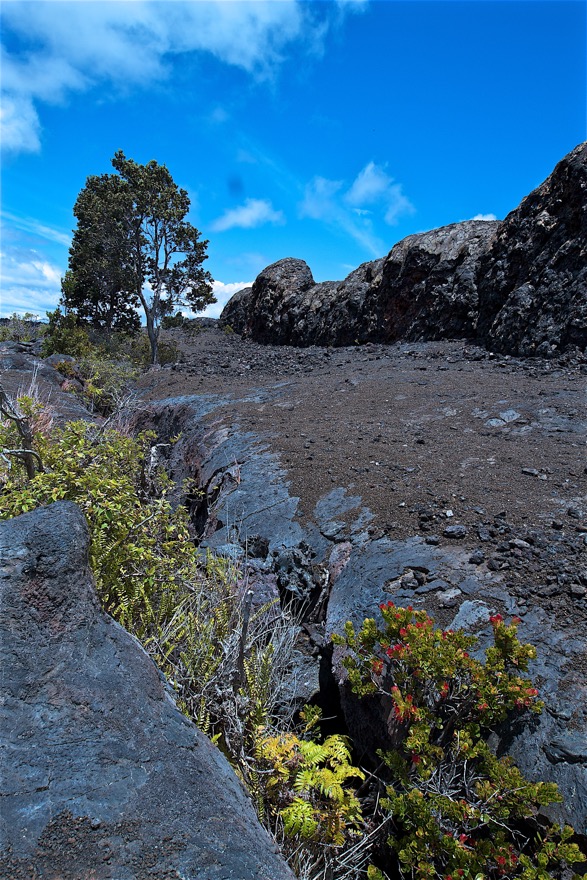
column 533, row 281
column 23, row 373
column 424, row 289
column 518, row 286
column 275, row 301
column 428, row 286
column 102, row 775
column 236, row 310
column 457, row 532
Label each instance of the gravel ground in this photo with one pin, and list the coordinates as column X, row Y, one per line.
column 442, row 439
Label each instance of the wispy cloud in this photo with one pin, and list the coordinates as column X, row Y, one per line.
column 35, row 228
column 373, row 194
column 72, row 46
column 373, row 186
column 254, row 212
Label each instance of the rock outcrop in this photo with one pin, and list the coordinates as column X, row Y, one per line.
column 234, row 314
column 247, row 499
column 519, row 286
column 533, row 281
column 25, row 373
column 102, row 775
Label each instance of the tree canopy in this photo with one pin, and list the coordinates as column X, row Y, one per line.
column 133, row 247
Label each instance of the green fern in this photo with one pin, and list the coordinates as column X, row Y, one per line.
column 299, row 819
column 309, row 785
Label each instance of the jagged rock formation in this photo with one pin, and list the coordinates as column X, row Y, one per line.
column 102, row 775
column 533, row 281
column 519, row 286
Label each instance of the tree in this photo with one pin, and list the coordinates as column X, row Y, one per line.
column 133, row 247
column 99, row 284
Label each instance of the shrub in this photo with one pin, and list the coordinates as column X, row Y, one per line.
column 64, row 335
column 140, row 548
column 457, row 810
column 22, row 328
column 170, row 322
column 228, row 662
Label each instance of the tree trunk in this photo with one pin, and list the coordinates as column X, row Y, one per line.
column 27, row 455
column 153, row 332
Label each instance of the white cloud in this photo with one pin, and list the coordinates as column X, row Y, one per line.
column 223, row 293
column 320, row 199
column 345, row 207
column 484, row 217
column 254, row 212
column 369, row 185
column 374, row 186
column 20, row 125
column 71, row 46
column 28, row 283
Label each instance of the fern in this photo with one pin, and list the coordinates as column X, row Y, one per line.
column 308, row 784
column 299, row 819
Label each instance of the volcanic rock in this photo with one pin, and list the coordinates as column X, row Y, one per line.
column 234, row 314
column 102, row 775
column 517, row 286
column 424, row 289
column 533, row 282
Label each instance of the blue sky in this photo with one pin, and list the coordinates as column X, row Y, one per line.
column 326, row 131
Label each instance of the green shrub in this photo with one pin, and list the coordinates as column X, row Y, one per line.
column 227, row 662
column 456, row 809
column 64, row 335
column 140, row 548
column 170, row 322
column 22, row 328
column 168, row 351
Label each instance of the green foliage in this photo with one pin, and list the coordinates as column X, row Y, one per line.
column 106, row 362
column 225, row 660
column 105, row 382
column 22, row 328
column 65, row 335
column 134, row 247
column 140, row 548
column 307, row 784
column 170, row 322
column 457, row 810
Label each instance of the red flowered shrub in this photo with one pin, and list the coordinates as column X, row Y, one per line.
column 457, row 810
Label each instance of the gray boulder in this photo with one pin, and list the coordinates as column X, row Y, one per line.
column 102, row 775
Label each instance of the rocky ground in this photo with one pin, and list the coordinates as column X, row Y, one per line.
column 442, row 440
column 435, row 474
